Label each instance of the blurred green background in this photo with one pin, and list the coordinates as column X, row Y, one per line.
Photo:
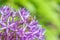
column 47, row 12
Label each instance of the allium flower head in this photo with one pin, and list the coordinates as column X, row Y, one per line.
column 19, row 25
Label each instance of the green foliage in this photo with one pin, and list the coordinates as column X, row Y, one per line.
column 46, row 11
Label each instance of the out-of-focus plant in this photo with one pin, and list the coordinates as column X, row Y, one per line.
column 46, row 11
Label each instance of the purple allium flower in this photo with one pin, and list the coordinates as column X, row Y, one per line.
column 19, row 25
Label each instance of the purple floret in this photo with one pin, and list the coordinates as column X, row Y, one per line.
column 23, row 28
